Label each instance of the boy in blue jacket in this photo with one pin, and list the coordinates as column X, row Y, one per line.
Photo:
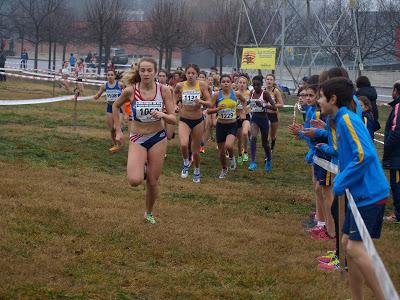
column 391, row 152
column 362, row 174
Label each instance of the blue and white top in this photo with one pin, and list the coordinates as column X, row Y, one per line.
column 112, row 93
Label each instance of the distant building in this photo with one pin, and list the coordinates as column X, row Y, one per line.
column 135, row 15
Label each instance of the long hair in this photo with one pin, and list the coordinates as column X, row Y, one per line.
column 132, row 76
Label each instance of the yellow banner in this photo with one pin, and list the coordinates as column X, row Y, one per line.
column 258, row 58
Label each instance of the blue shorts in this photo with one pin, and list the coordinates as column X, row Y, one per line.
column 223, row 130
column 148, row 140
column 373, row 219
column 321, row 175
column 262, row 122
column 109, row 108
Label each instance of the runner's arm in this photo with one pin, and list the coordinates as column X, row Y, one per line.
column 100, row 92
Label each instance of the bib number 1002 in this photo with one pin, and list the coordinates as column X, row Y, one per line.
column 147, row 111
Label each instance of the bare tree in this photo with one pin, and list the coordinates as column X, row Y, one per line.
column 169, row 27
column 33, row 14
column 105, row 19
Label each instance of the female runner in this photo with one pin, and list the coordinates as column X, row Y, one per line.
column 113, row 90
column 226, row 102
column 190, row 94
column 260, row 102
column 273, row 116
column 148, row 143
column 243, row 121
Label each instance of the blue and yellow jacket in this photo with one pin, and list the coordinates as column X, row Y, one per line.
column 310, row 114
column 360, row 169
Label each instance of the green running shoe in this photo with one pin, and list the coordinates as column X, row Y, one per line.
column 240, row 160
column 149, row 218
column 245, row 157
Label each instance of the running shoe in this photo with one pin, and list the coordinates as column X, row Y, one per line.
column 240, row 160
column 232, row 165
column 268, row 165
column 185, row 171
column 245, row 157
column 114, row 149
column 149, row 218
column 327, row 258
column 252, row 166
column 319, row 233
column 202, row 150
column 334, row 264
column 223, row 173
column 196, row 177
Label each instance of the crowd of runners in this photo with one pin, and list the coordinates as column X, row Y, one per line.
column 339, row 125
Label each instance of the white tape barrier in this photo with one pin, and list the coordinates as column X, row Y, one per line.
column 43, row 100
column 384, row 280
column 86, row 82
column 327, row 165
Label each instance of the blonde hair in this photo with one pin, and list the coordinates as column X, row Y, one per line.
column 132, row 76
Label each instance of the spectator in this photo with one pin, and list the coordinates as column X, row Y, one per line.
column 391, row 151
column 24, row 59
column 3, row 59
column 72, row 61
column 88, row 57
column 364, row 88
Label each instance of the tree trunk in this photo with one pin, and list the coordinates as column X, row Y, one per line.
column 160, row 57
column 50, row 48
column 100, row 57
column 166, row 58
column 215, row 60
column 36, row 54
column 54, row 56
column 63, row 55
column 170, row 59
column 107, row 49
column 221, row 57
column 22, row 43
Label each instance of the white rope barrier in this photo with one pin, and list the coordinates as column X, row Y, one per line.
column 42, row 100
column 56, row 78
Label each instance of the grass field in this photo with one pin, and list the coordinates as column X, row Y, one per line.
column 72, row 228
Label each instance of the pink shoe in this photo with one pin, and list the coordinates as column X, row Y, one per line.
column 331, row 266
column 319, row 233
column 327, row 258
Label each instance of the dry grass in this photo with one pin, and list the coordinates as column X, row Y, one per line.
column 71, row 228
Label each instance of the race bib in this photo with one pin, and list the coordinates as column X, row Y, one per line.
column 188, row 97
column 227, row 114
column 254, row 107
column 144, row 108
column 112, row 95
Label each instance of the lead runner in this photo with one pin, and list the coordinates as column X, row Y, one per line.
column 148, row 143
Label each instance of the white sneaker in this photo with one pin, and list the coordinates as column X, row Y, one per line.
column 223, row 173
column 185, row 171
column 233, row 163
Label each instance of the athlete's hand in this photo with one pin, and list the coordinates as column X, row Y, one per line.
column 221, row 106
column 318, row 124
column 157, row 114
column 295, row 128
column 119, row 136
column 310, row 132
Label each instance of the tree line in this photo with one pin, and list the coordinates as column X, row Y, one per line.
column 206, row 24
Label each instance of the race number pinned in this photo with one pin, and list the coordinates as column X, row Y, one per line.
column 144, row 109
